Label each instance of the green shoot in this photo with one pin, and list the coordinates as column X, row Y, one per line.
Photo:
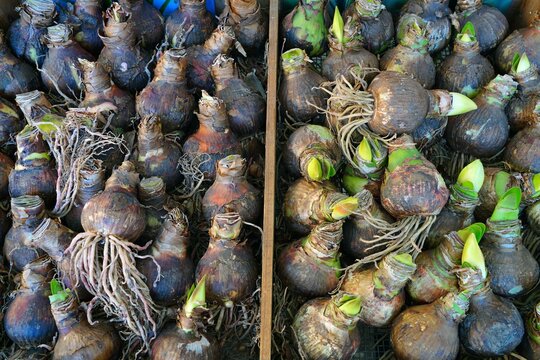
column 196, row 297
column 338, row 26
column 536, row 184
column 520, row 63
column 364, row 150
column 466, row 38
column 405, row 259
column 461, row 104
column 354, row 184
column 58, row 293
column 478, row 229
column 330, row 170
column 472, row 256
column 502, row 179
column 350, row 305
column 344, row 208
column 468, row 29
column 399, row 156
column 507, row 208
column 472, row 176
column 314, row 170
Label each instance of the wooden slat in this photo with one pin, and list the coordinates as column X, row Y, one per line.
column 269, row 186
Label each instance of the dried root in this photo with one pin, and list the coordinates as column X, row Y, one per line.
column 107, row 268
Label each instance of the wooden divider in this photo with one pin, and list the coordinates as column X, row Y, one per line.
column 269, row 185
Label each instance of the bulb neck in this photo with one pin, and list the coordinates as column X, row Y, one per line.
column 323, row 242
column 32, row 150
column 503, row 234
column 460, row 202
column 469, row 6
column 223, row 70
column 28, row 210
column 96, row 79
column 466, row 48
column 390, row 277
column 66, row 314
column 212, row 114
column 124, row 177
column 33, row 104
column 244, row 8
column 499, row 91
column 220, row 41
column 171, row 67
column 92, row 182
column 53, row 238
column 226, row 227
column 38, row 13
column 453, row 306
column 368, row 9
column 151, row 139
column 174, row 236
column 37, row 275
column 152, row 193
column 231, row 170
column 528, row 80
column 338, row 317
column 440, row 103
column 448, row 254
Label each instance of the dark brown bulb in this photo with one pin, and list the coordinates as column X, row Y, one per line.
column 191, row 14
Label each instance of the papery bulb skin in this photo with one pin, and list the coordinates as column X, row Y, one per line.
column 493, row 326
column 429, row 331
column 100, row 92
column 375, row 24
column 490, row 24
column 246, row 107
column 116, row 211
column 503, row 250
column 174, row 343
column 18, row 76
column 27, row 212
column 401, row 195
column 433, row 277
column 522, row 152
column 201, row 57
column 25, row 34
column 62, row 72
column 130, row 66
column 77, row 339
column 483, row 133
column 232, row 192
column 311, row 266
column 311, row 142
column 154, row 199
column 395, row 113
column 524, row 40
column 167, row 95
column 411, row 55
column 33, row 173
column 190, row 13
column 324, row 332
column 157, row 156
column 228, row 264
column 214, row 136
column 11, row 121
column 465, row 71
column 299, row 86
column 521, row 109
column 92, row 181
column 148, row 23
column 89, row 14
column 381, row 290
column 28, row 320
column 250, row 23
column 357, row 228
column 170, row 251
column 436, row 13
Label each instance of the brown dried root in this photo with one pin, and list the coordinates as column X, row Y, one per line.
column 107, row 268
column 75, row 144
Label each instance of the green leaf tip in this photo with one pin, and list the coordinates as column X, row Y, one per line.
column 461, row 104
column 507, row 207
column 314, row 170
column 478, row 229
column 405, row 259
column 502, row 179
column 58, row 293
column 354, row 184
column 364, row 150
column 536, row 183
column 472, row 176
column 338, row 26
column 344, row 208
column 468, row 29
column 350, row 305
column 472, row 256
column 397, row 157
column 520, row 63
column 196, row 297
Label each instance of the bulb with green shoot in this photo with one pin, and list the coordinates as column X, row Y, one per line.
column 186, row 339
column 493, row 326
column 374, row 22
column 347, row 52
column 304, row 27
column 381, row 288
column 326, row 328
column 434, row 276
column 459, row 210
column 371, row 157
column 522, row 152
column 466, row 70
column 411, row 55
column 421, row 329
column 513, row 269
column 309, row 203
column 76, row 337
column 313, row 153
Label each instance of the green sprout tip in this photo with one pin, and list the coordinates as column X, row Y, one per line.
column 58, row 293
column 338, row 26
column 472, row 256
column 536, row 184
column 397, row 157
column 502, row 179
column 405, row 259
column 468, row 29
column 478, row 229
column 354, row 184
column 461, row 104
column 196, row 297
column 344, row 208
column 472, row 176
column 507, row 208
column 314, row 170
column 364, row 150
column 350, row 305
column 520, row 63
